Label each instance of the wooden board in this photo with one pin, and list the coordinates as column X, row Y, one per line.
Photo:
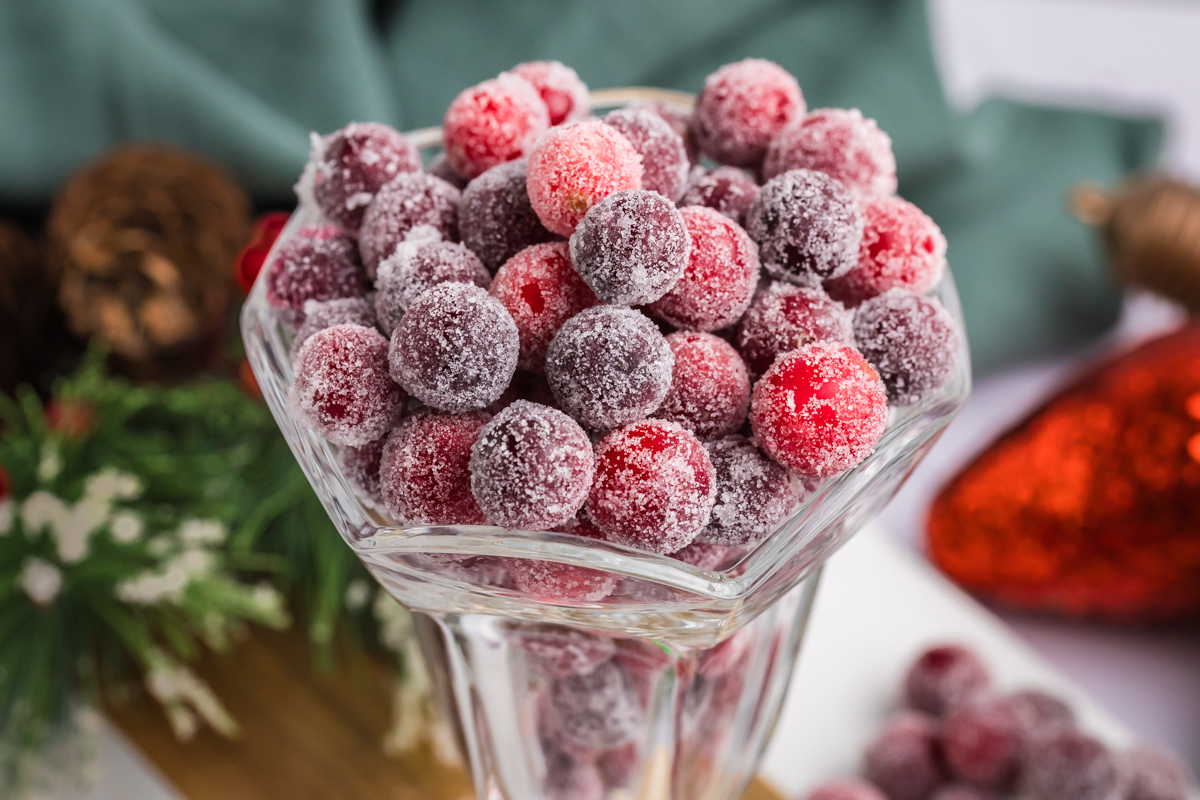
column 305, row 736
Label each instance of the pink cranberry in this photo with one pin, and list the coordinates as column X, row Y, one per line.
column 424, row 472
column 664, row 157
column 565, row 95
column 417, row 265
column 342, row 389
column 598, row 709
column 559, row 651
column 904, row 760
column 725, row 189
column 1071, row 765
column 1158, row 775
column 942, row 677
column 741, row 107
column 840, row 142
column 322, row 314
column 983, row 742
column 492, row 122
column 720, row 278
column 352, row 164
column 654, row 486
column 912, row 341
column 784, row 317
column 360, row 465
column 410, row 201
column 710, row 388
column 819, row 410
column 318, row 263
column 754, row 494
column 575, row 166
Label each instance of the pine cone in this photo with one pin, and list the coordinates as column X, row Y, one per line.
column 145, row 239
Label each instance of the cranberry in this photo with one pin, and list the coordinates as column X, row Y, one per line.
column 352, row 164
column 942, row 677
column 410, row 201
column 495, row 217
column 912, row 341
column 904, row 759
column 424, row 473
column 492, row 122
column 784, row 317
column 741, row 107
column 839, row 142
column 664, row 155
column 754, row 494
column 710, row 388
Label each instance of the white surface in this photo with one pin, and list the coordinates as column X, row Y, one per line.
column 878, row 606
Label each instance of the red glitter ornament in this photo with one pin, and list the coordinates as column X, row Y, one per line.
column 1089, row 506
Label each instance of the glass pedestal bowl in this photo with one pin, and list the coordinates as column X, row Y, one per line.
column 667, row 688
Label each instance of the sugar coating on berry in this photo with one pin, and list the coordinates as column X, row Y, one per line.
column 902, row 248
column 352, row 164
column 565, row 95
column 342, row 389
column 819, row 410
column 417, row 265
column 531, row 467
column 492, row 122
column 680, row 122
column 665, row 162
column 631, row 247
column 710, row 387
column 541, row 290
column 912, row 341
column 654, row 486
column 754, row 494
column 599, row 709
column 942, row 677
column 410, row 201
column 807, row 225
column 547, row 580
column 609, row 365
column 840, row 142
column 1071, row 765
column 575, row 166
column 846, row 789
column 721, row 274
column 455, row 349
column 495, row 217
column 903, row 760
column 318, row 263
column 1040, row 714
column 360, row 465
column 728, row 190
column 783, row 317
column 440, row 167
column 1157, row 775
column 424, row 472
column 322, row 314
column 741, row 107
column 561, row 651
column 983, row 743
column 703, row 555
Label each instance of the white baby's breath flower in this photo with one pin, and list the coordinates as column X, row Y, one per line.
column 126, row 527
column 73, row 531
column 41, row 509
column 266, row 599
column 202, row 532
column 395, row 623
column 50, row 463
column 358, row 592
column 151, row 588
column 177, row 687
column 112, row 484
column 193, row 563
column 41, row 580
column 6, row 516
column 160, row 546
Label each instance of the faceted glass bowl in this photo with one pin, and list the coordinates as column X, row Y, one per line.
column 507, row 663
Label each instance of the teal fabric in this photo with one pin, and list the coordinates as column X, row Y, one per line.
column 245, row 80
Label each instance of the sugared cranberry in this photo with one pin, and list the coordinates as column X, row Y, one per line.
column 618, row 766
column 725, row 189
column 424, row 473
column 598, row 709
column 492, row 122
column 455, row 349
column 904, row 759
column 352, row 164
column 360, row 465
column 531, row 467
column 631, row 247
column 702, row 555
column 784, row 317
column 609, row 365
column 575, row 166
column 560, row 651
column 1157, row 775
column 409, row 201
column 322, row 314
column 1040, row 714
column 654, row 486
column 846, row 789
column 342, row 389
column 565, row 95
column 569, row 778
column 548, row 580
column 901, row 248
column 440, row 167
column 807, row 225
column 710, row 388
column 819, row 410
column 318, row 263
column 417, row 265
column 680, row 122
column 495, row 217
column 912, row 341
column 741, row 107
column 943, row 677
column 754, row 494
column 840, row 142
column 721, row 274
column 982, row 742
column 664, row 157
column 1071, row 765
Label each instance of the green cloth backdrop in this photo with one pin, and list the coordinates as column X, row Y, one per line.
column 246, row 80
